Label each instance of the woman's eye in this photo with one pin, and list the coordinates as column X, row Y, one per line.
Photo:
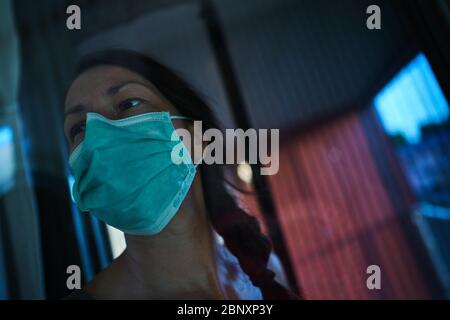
column 77, row 129
column 130, row 103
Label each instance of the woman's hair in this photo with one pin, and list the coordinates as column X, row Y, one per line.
column 241, row 232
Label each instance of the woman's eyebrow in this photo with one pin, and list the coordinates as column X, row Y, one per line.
column 114, row 89
column 111, row 91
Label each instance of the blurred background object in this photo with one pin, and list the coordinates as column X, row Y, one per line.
column 363, row 118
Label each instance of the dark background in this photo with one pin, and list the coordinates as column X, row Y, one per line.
column 342, row 199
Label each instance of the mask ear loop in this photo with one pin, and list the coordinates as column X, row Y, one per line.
column 180, row 118
column 184, row 118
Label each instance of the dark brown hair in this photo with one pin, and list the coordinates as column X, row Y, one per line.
column 241, row 232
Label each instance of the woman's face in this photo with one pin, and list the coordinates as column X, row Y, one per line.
column 113, row 92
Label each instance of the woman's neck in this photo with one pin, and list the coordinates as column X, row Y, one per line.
column 176, row 266
column 178, row 263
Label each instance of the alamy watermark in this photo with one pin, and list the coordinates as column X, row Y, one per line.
column 373, row 282
column 373, row 21
column 73, row 21
column 74, row 279
column 263, row 147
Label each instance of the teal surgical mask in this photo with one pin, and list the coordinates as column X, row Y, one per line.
column 124, row 173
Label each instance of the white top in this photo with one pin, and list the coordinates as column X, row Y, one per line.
column 228, row 268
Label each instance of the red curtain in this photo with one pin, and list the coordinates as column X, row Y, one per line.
column 337, row 217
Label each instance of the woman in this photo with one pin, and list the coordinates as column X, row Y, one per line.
column 120, row 114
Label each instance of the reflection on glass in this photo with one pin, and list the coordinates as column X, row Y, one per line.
column 415, row 114
column 7, row 160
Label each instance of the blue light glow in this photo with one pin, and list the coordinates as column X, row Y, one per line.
column 6, row 135
column 411, row 100
column 7, row 159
